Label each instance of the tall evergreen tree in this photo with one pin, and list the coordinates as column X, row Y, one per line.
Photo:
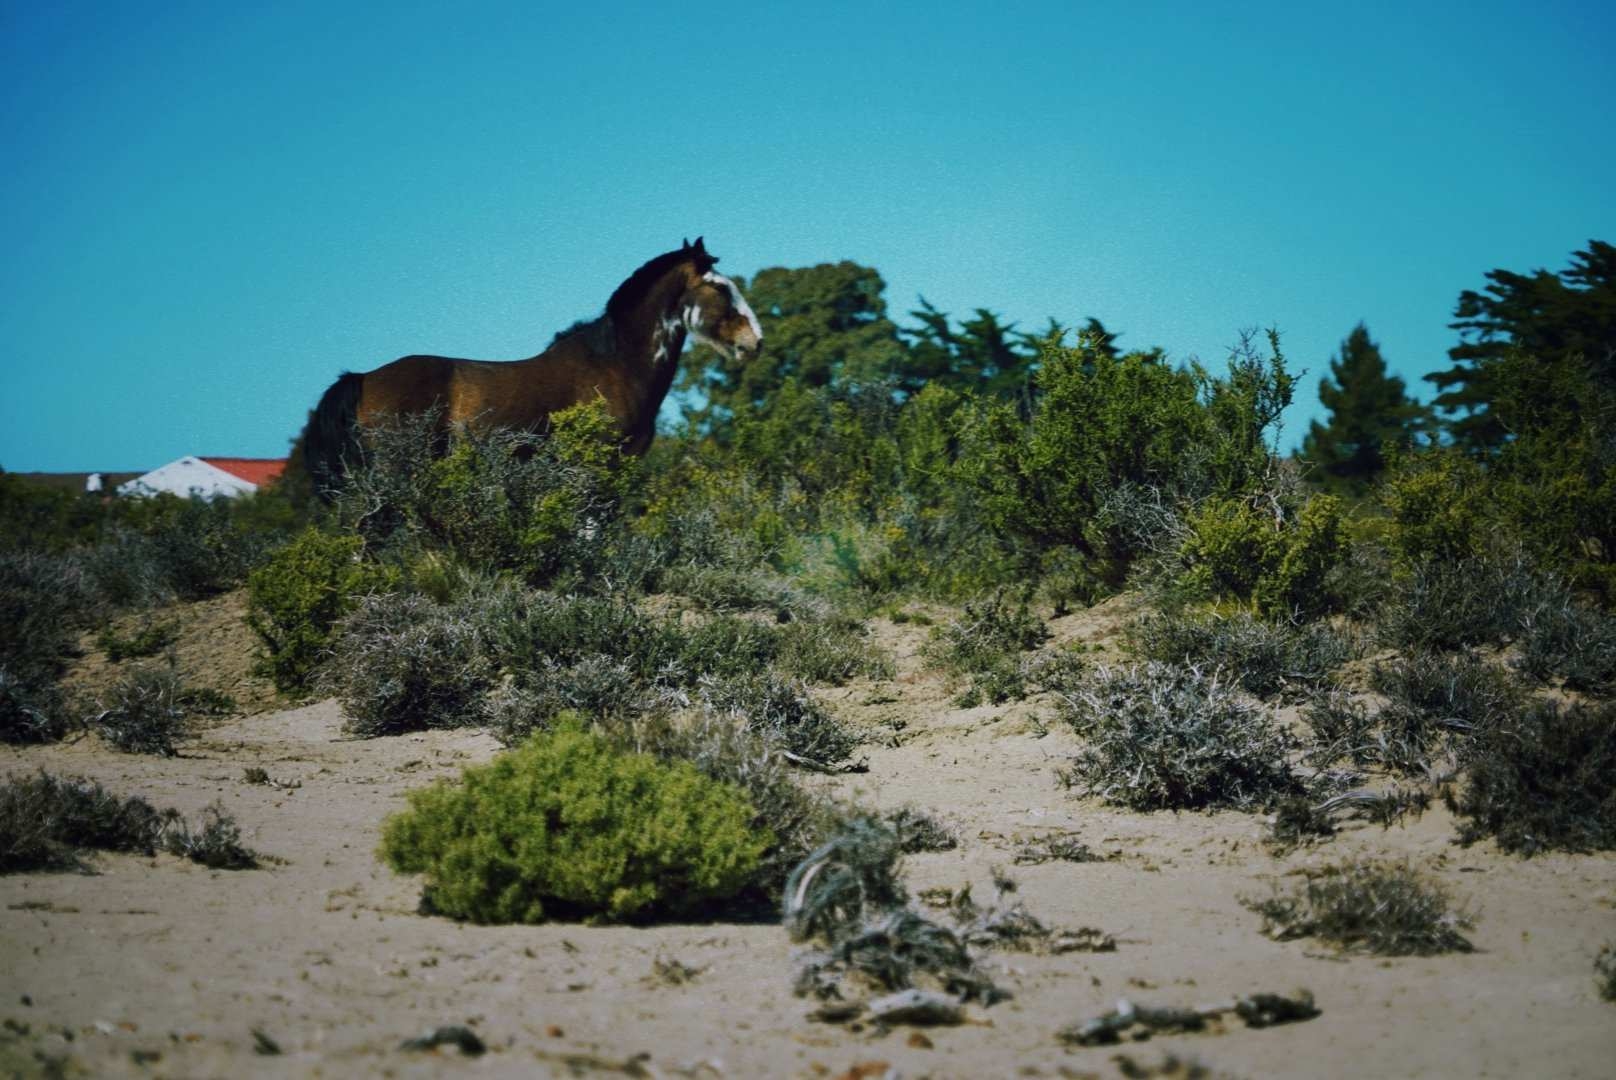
column 1370, row 411
column 1549, row 317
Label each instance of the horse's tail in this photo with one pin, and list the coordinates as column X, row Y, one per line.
column 331, row 441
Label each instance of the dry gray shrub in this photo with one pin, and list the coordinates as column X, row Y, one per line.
column 1267, row 658
column 402, row 663
column 1169, row 737
column 46, row 822
column 1379, row 907
column 144, row 711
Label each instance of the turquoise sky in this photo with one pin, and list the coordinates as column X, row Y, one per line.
column 209, row 210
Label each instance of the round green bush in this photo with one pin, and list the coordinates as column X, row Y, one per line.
column 569, row 825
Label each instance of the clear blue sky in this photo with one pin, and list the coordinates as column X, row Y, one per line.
column 208, row 210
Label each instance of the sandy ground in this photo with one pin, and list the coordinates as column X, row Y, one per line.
column 158, row 967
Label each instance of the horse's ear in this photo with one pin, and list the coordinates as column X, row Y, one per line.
column 701, row 247
column 686, row 246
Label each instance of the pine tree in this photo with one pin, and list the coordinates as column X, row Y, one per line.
column 1370, row 412
column 1548, row 317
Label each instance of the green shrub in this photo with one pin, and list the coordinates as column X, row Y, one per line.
column 1267, row 658
column 799, row 819
column 148, row 639
column 295, row 599
column 1439, row 505
column 1252, row 550
column 1165, row 737
column 569, row 825
column 1383, row 908
column 1100, row 423
column 1545, row 780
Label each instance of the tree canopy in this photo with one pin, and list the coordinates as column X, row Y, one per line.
column 1550, row 317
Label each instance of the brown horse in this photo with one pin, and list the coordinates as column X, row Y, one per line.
column 627, row 357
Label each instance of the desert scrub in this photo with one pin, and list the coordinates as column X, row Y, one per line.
column 144, row 711
column 724, row 751
column 985, row 645
column 1484, row 600
column 1377, row 907
column 1266, row 658
column 1544, row 780
column 783, row 713
column 43, row 598
column 295, row 599
column 569, row 825
column 402, row 663
column 46, row 822
column 30, row 714
column 1435, row 699
column 1166, row 737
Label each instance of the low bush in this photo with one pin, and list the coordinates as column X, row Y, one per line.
column 295, row 599
column 402, row 663
column 543, row 507
column 43, row 600
column 1266, row 658
column 569, row 825
column 1433, row 699
column 799, row 819
column 216, row 845
column 1165, row 737
column 781, row 711
column 1259, row 550
column 985, row 645
column 848, row 898
column 144, row 712
column 46, row 822
column 1474, row 601
column 1605, row 972
column 1566, row 640
column 1383, row 908
column 1343, row 728
column 594, row 686
column 1543, row 780
column 31, row 714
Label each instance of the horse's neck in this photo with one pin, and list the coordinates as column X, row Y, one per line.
column 654, row 339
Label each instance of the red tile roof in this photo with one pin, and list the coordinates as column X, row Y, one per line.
column 258, row 471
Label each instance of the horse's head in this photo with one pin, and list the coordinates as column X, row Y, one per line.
column 714, row 312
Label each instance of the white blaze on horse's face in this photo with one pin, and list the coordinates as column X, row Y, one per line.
column 718, row 315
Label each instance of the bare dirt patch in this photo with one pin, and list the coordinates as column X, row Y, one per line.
column 213, row 649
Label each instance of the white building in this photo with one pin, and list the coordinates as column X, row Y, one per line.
column 207, row 477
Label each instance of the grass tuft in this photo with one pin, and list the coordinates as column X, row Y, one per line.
column 1378, row 907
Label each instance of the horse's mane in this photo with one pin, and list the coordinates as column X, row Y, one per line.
column 640, row 281
column 602, row 329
